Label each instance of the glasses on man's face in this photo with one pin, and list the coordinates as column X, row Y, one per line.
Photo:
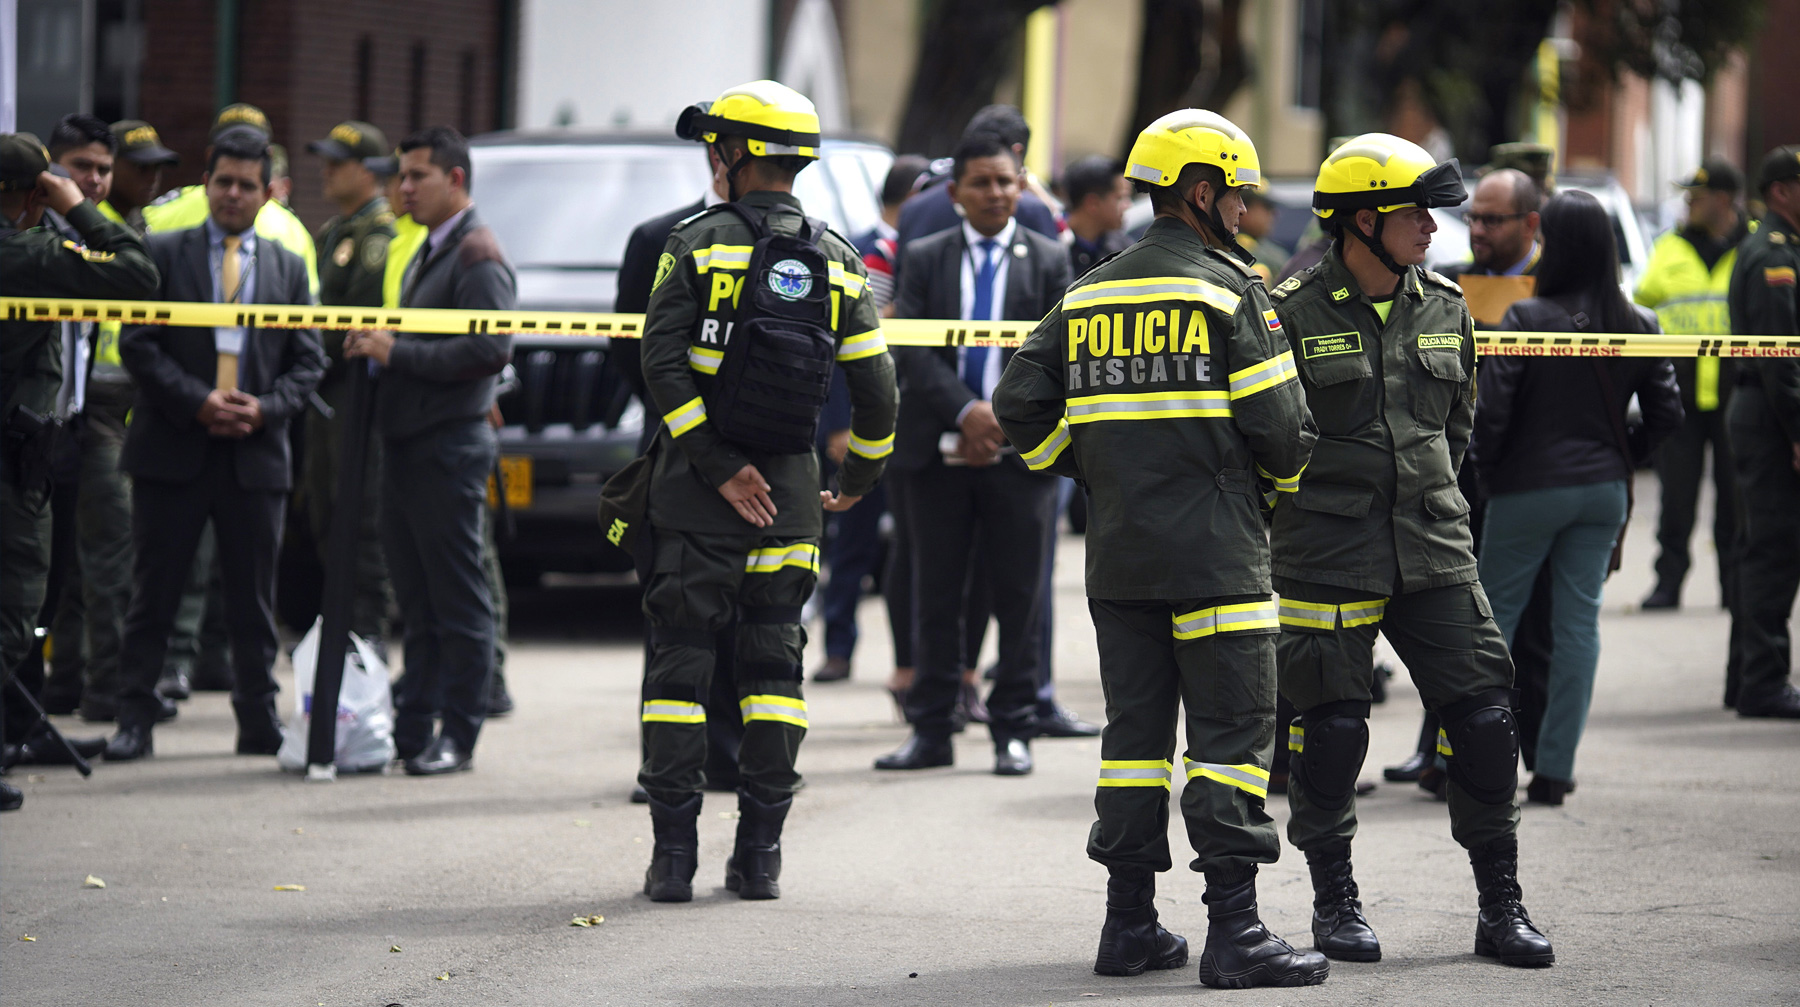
column 1490, row 220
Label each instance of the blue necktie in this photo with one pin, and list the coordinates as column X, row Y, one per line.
column 975, row 357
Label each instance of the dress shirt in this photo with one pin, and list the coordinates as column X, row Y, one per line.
column 997, row 302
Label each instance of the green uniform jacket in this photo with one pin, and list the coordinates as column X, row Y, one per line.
column 1764, row 303
column 41, row 263
column 699, row 279
column 1689, row 298
column 187, row 207
column 1161, row 381
column 1378, row 508
column 353, row 253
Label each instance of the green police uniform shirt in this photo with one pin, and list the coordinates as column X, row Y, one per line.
column 1766, row 302
column 1378, row 508
column 353, row 254
column 699, row 280
column 113, row 264
column 1163, row 382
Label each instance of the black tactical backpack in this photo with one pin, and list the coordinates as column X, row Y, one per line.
column 779, row 351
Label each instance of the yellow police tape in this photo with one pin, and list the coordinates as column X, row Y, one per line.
column 897, row 331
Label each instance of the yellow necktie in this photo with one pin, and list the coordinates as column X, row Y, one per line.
column 225, row 377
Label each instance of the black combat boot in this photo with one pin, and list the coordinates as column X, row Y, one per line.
column 1504, row 930
column 754, row 869
column 1240, row 952
column 1131, row 940
column 670, row 877
column 1339, row 928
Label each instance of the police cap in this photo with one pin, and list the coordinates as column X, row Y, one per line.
column 139, row 144
column 1716, row 174
column 240, row 114
column 351, row 141
column 1779, row 165
column 22, row 159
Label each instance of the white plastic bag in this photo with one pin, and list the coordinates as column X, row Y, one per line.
column 365, row 713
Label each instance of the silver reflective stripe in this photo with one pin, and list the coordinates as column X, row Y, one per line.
column 1246, row 778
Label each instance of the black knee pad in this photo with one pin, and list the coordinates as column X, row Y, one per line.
column 1336, row 738
column 1484, row 745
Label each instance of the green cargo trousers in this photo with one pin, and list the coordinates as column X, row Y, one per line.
column 24, row 567
column 1215, row 660
column 698, row 584
column 372, row 591
column 1448, row 640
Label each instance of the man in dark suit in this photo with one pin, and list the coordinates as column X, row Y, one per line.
column 209, row 440
column 962, row 479
column 432, row 405
column 934, row 208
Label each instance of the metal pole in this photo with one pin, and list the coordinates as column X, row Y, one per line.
column 340, row 574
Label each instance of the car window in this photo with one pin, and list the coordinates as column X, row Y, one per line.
column 576, row 207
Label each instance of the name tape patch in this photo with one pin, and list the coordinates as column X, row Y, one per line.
column 1330, row 346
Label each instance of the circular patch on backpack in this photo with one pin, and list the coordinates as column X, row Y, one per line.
column 790, row 279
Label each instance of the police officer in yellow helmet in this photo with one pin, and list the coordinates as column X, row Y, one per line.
column 1375, row 538
column 1161, row 383
column 753, row 306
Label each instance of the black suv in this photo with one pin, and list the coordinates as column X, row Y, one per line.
column 564, row 203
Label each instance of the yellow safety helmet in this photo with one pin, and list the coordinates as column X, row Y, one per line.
column 1382, row 172
column 775, row 119
column 1193, row 136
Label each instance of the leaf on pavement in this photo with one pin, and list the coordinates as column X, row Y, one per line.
column 93, row 882
column 290, row 888
column 395, row 949
column 443, row 978
column 587, row 921
column 27, row 937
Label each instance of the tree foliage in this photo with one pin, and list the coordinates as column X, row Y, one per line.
column 966, row 49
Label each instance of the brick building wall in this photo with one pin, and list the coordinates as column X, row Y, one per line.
column 310, row 64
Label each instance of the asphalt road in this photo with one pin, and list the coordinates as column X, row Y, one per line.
column 1669, row 877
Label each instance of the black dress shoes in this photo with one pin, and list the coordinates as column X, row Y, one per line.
column 500, row 701
column 1548, row 790
column 1012, row 757
column 1408, row 771
column 835, row 669
column 440, row 758
column 259, row 726
column 131, row 742
column 1784, row 704
column 174, row 683
column 1664, row 597
column 11, row 797
column 1063, row 723
column 42, row 749
column 920, row 752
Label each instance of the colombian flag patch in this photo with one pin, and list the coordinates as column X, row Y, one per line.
column 1274, row 321
column 1779, row 276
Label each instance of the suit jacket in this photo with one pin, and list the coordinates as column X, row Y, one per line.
column 176, row 367
column 932, row 394
column 437, row 378
column 637, row 274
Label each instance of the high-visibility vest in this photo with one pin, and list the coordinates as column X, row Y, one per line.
column 1688, row 298
column 409, row 237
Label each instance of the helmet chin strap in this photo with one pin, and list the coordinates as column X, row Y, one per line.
column 1215, row 223
column 731, row 173
column 1373, row 242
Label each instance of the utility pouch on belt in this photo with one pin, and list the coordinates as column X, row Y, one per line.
column 776, row 370
column 29, row 444
column 625, row 499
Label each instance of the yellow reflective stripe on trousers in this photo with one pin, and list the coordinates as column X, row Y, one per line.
column 1443, row 744
column 1148, row 289
column 1249, row 779
column 704, row 360
column 1042, row 456
column 1135, row 773
column 673, row 711
column 1296, row 738
column 1362, row 613
column 1148, row 406
column 863, row 344
column 1263, row 376
column 769, row 560
column 852, row 284
column 872, row 449
column 1308, row 615
column 781, row 709
column 722, row 257
column 686, row 417
column 1225, row 619
column 1289, row 485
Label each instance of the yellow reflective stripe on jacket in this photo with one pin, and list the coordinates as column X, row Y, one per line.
column 1308, row 615
column 1250, row 779
column 1135, row 773
column 1261, row 377
column 1225, row 619
column 852, row 284
column 1362, row 613
column 1443, row 743
column 863, row 344
column 704, row 360
column 1045, row 454
column 780, row 709
column 803, row 556
column 673, row 711
column 686, row 417
column 1148, row 289
column 872, row 449
column 1148, row 406
column 1296, row 738
column 1706, row 384
column 722, row 257
column 1291, row 484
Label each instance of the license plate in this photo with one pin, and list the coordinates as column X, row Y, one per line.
column 515, row 470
